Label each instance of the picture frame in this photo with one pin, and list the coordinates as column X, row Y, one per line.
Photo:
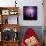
column 29, row 12
column 5, row 12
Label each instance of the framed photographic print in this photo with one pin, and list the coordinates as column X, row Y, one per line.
column 30, row 12
column 5, row 12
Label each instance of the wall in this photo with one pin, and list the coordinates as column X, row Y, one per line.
column 37, row 3
column 7, row 3
column 22, row 3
